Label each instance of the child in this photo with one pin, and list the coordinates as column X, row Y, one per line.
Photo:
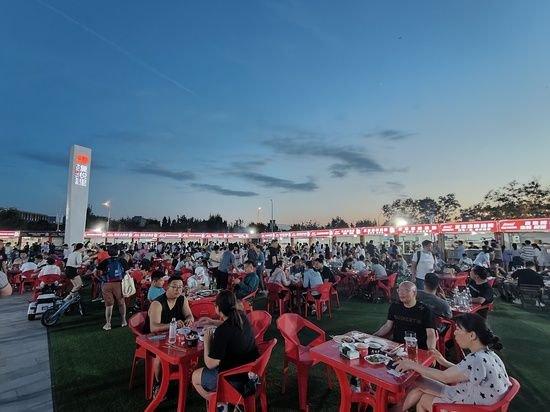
column 156, row 289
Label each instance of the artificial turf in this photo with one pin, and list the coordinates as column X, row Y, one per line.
column 91, row 367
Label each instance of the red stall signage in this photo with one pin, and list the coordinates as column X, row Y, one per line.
column 418, row 229
column 344, row 232
column 467, row 227
column 169, row 235
column 525, row 225
column 120, row 235
column 302, row 234
column 9, row 233
column 94, row 234
column 377, row 230
column 143, row 235
column 319, row 233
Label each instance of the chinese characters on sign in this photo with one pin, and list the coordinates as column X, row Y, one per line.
column 466, row 227
column 527, row 225
column 80, row 174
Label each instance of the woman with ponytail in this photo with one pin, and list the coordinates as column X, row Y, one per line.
column 231, row 344
column 480, row 378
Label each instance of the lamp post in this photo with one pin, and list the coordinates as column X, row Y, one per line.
column 107, row 204
column 272, row 223
column 259, row 210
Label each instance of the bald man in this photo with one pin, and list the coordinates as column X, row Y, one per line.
column 409, row 315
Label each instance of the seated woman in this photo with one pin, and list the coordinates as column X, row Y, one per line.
column 170, row 305
column 479, row 379
column 231, row 344
column 278, row 275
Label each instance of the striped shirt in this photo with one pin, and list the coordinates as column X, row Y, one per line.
column 527, row 253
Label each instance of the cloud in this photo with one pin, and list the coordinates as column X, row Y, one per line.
column 271, row 181
column 347, row 158
column 390, row 134
column 222, row 191
column 55, row 159
column 153, row 169
column 395, row 186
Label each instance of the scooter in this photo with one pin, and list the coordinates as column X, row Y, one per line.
column 51, row 316
column 43, row 297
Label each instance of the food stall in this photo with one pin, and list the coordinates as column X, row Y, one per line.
column 520, row 230
column 410, row 237
column 475, row 232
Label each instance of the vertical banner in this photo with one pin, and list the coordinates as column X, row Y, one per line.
column 78, row 184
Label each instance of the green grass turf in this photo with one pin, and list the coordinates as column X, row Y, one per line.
column 91, row 367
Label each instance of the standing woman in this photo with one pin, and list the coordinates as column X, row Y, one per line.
column 74, row 261
column 230, row 345
column 479, row 379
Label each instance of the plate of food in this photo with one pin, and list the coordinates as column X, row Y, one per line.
column 343, row 339
column 377, row 359
column 359, row 336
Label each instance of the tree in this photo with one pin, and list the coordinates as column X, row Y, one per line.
column 365, row 223
column 309, row 225
column 336, row 223
column 425, row 210
column 448, row 207
column 514, row 200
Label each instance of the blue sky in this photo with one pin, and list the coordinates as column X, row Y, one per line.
column 328, row 108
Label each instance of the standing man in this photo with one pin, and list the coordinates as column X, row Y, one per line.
column 459, row 250
column 423, row 262
column 113, row 270
column 226, row 264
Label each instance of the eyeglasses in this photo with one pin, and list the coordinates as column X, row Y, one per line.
column 176, row 287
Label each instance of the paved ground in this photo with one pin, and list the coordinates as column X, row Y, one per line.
column 25, row 383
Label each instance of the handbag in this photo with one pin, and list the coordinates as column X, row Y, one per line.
column 128, row 287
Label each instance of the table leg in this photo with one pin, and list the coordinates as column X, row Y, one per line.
column 183, row 378
column 163, row 387
column 148, row 374
column 345, row 390
column 381, row 399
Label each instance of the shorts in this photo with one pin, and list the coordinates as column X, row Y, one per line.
column 209, row 379
column 71, row 272
column 112, row 292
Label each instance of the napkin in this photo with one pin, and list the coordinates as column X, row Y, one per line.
column 395, row 373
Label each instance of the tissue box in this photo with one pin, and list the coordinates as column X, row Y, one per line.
column 349, row 352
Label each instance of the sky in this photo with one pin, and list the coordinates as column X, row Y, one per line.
column 327, row 108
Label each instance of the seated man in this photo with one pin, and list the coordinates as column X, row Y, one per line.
column 156, row 289
column 312, row 278
column 200, row 279
column 527, row 277
column 479, row 288
column 409, row 315
column 359, row 265
column 465, row 263
column 325, row 271
column 50, row 268
column 40, row 262
column 439, row 307
column 250, row 282
column 379, row 270
column 29, row 265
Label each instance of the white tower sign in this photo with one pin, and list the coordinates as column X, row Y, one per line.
column 77, row 193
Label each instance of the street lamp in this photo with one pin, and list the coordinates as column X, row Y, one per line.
column 399, row 221
column 272, row 223
column 259, row 210
column 107, row 204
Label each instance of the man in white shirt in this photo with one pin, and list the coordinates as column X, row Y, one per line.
column 422, row 262
column 483, row 258
column 359, row 265
column 378, row 269
column 459, row 250
column 465, row 263
column 50, row 268
column 30, row 265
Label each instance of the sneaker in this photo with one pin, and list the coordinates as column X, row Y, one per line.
column 540, row 304
column 222, row 407
column 96, row 300
column 107, row 326
column 124, row 325
column 517, row 301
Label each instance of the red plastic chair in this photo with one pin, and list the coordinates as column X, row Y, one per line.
column 226, row 393
column 290, row 324
column 201, row 309
column 500, row 406
column 260, row 321
column 277, row 297
column 322, row 297
column 136, row 324
column 47, row 280
column 334, row 291
column 27, row 278
column 386, row 285
column 448, row 336
column 16, row 281
column 248, row 301
column 460, row 281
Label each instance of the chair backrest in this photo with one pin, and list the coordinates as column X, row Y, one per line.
column 200, row 309
column 461, row 281
column 391, row 280
column 260, row 321
column 265, row 349
column 28, row 273
column 48, row 279
column 137, row 275
column 290, row 324
column 274, row 290
column 324, row 290
column 137, row 322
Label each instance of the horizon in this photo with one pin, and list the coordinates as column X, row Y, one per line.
column 329, row 110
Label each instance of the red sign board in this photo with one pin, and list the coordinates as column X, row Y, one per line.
column 377, row 230
column 143, row 235
column 8, row 233
column 467, row 227
column 168, row 235
column 345, row 232
column 525, row 225
column 319, row 233
column 418, row 229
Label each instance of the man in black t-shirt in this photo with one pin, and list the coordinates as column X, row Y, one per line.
column 409, row 316
column 480, row 290
column 528, row 276
column 325, row 271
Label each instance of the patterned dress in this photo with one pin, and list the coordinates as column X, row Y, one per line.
column 487, row 380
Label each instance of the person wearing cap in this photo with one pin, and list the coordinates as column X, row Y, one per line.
column 423, row 262
column 439, row 307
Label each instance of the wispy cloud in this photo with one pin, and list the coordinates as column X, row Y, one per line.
column 397, row 186
column 271, row 182
column 390, row 134
column 153, row 169
column 347, row 158
column 223, row 191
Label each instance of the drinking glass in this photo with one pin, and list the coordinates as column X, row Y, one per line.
column 411, row 345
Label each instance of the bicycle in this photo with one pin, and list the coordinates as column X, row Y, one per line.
column 60, row 306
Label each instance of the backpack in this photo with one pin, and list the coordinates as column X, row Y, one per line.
column 115, row 271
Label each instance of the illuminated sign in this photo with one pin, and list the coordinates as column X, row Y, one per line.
column 525, row 225
column 80, row 173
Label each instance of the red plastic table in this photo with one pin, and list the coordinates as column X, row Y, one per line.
column 386, row 384
column 180, row 356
